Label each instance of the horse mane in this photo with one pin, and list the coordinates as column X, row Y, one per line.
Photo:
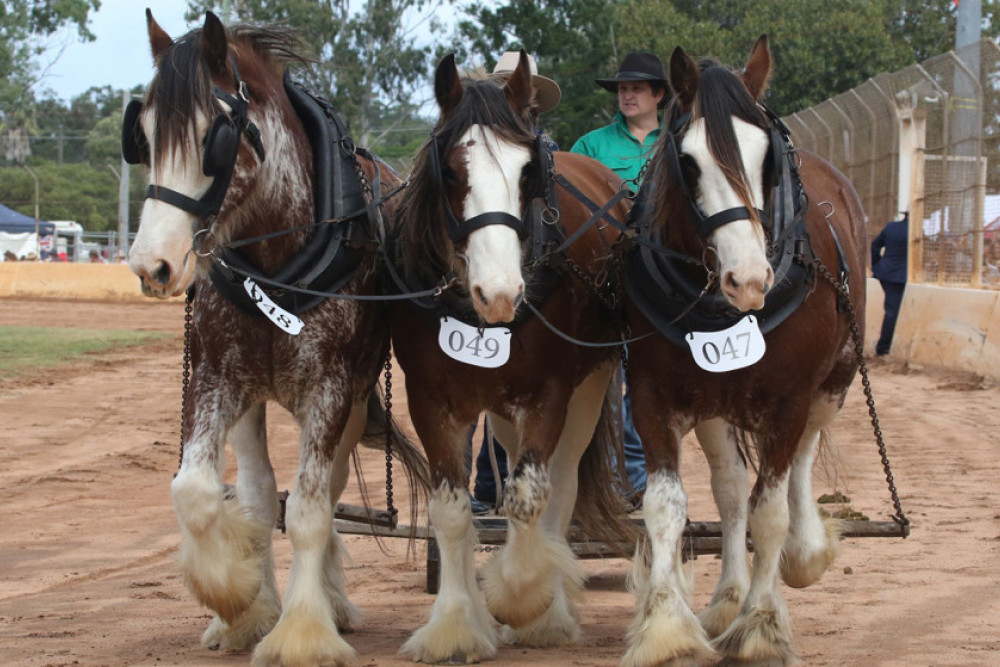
column 182, row 85
column 425, row 247
column 720, row 96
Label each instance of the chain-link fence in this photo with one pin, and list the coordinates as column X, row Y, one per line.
column 925, row 139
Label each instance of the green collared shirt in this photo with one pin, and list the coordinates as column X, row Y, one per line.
column 617, row 148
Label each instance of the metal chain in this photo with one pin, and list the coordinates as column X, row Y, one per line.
column 186, row 372
column 841, row 289
column 592, row 282
column 369, row 193
column 388, row 433
column 366, row 185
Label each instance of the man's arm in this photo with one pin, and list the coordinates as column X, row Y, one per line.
column 876, row 248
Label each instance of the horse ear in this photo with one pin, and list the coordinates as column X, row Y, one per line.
column 447, row 87
column 518, row 88
column 213, row 43
column 159, row 40
column 683, row 77
column 758, row 68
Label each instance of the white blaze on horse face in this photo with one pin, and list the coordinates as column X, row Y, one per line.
column 741, row 247
column 161, row 254
column 494, row 252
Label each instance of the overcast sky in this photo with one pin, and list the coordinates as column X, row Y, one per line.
column 120, row 55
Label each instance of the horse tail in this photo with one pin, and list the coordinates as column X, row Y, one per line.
column 403, row 449
column 415, row 466
column 600, row 508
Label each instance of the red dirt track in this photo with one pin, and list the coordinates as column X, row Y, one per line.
column 87, row 575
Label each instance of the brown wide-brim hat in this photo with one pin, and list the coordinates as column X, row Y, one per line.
column 637, row 66
column 547, row 92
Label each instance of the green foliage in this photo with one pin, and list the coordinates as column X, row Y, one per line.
column 104, row 141
column 23, row 349
column 77, row 192
column 363, row 60
column 573, row 43
column 24, row 25
column 820, row 47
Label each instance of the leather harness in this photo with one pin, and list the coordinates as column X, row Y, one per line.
column 346, row 224
column 328, row 260
column 660, row 283
column 539, row 227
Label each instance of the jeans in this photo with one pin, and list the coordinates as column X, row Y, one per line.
column 635, row 459
column 893, row 299
column 485, row 487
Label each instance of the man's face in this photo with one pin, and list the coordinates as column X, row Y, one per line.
column 636, row 98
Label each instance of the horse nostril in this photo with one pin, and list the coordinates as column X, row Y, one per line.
column 478, row 292
column 731, row 282
column 162, row 273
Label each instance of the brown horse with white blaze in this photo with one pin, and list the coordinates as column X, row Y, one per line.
column 232, row 167
column 484, row 219
column 760, row 262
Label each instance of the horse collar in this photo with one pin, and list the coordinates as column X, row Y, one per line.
column 344, row 222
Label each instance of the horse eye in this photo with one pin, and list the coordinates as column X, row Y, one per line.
column 689, row 165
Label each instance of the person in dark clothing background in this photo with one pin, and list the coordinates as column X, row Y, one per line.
column 889, row 266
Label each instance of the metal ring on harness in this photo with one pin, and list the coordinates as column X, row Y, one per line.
column 198, row 245
column 632, row 192
column 347, row 146
column 550, row 216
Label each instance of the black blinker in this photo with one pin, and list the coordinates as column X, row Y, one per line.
column 221, row 145
column 135, row 147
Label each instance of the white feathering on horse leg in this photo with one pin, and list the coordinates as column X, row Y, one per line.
column 812, row 543
column 345, row 613
column 256, row 492
column 249, row 627
column 560, row 624
column 220, row 554
column 520, row 580
column 306, row 633
column 763, row 630
column 665, row 630
column 460, row 628
column 730, row 489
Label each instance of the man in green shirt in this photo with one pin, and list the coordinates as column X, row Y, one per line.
column 624, row 146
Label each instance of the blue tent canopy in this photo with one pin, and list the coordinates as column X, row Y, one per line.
column 17, row 223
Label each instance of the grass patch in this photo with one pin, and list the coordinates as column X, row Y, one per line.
column 23, row 349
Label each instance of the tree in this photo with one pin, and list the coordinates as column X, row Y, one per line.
column 573, row 42
column 821, row 47
column 363, row 61
column 62, row 130
column 69, row 192
column 24, row 27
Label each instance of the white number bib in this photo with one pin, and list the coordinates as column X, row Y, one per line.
column 739, row 346
column 487, row 348
column 283, row 319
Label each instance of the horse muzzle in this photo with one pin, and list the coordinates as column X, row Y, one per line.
column 159, row 279
column 746, row 291
column 497, row 307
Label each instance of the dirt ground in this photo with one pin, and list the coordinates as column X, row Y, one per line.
column 87, row 575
